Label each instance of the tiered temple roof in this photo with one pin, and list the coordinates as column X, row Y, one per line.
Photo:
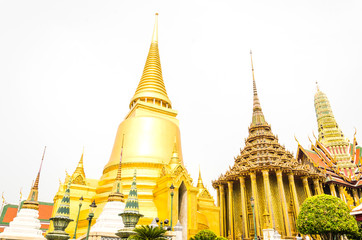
column 263, row 151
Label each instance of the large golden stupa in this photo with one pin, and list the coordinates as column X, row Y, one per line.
column 150, row 136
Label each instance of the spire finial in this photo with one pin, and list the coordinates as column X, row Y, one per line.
column 32, row 201
column 258, row 116
column 151, row 87
column 117, row 194
column 79, row 171
column 200, row 183
column 155, row 30
column 119, row 172
column 36, row 183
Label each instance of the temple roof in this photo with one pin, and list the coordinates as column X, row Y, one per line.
column 262, row 149
column 151, row 85
column 322, row 159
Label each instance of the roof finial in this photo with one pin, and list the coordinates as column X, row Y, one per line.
column 32, row 201
column 200, row 183
column 155, row 30
column 317, row 86
column 79, row 171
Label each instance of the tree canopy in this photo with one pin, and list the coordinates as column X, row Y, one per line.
column 327, row 216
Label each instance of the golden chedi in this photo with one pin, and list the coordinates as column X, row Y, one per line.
column 151, row 144
column 270, row 174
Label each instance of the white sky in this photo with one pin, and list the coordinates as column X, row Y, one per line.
column 68, row 70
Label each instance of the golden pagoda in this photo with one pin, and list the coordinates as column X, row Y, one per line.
column 270, row 174
column 333, row 155
column 152, row 145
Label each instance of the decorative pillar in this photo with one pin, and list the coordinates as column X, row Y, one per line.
column 321, row 187
column 294, row 193
column 306, row 186
column 243, row 207
column 284, row 203
column 254, row 192
column 268, row 198
column 355, row 197
column 333, row 189
column 231, row 209
column 317, row 189
column 341, row 194
column 218, row 204
column 222, row 210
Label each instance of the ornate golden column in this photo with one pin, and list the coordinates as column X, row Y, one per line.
column 254, row 192
column 284, row 203
column 231, row 209
column 268, row 198
column 243, row 207
column 294, row 193
column 333, row 189
column 218, row 197
column 355, row 197
column 317, row 189
column 218, row 204
column 341, row 194
column 222, row 210
column 321, row 187
column 306, row 186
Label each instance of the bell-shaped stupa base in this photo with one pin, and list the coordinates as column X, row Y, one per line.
column 109, row 220
column 25, row 225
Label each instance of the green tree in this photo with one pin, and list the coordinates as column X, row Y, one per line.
column 204, row 235
column 326, row 216
column 146, row 232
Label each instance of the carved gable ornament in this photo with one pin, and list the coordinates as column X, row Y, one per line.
column 204, row 194
column 180, row 174
column 78, row 180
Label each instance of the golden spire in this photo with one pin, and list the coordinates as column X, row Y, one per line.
column 258, row 116
column 116, row 194
column 200, row 184
column 80, row 168
column 32, row 201
column 119, row 171
column 151, row 87
column 329, row 132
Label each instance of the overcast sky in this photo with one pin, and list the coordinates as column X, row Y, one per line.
column 68, row 70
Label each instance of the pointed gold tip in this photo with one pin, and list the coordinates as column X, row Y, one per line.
column 251, row 52
column 155, row 30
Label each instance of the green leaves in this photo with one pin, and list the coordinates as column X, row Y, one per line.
column 205, row 235
column 146, row 232
column 325, row 214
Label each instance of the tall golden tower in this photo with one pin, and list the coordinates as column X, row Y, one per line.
column 330, row 135
column 149, row 131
